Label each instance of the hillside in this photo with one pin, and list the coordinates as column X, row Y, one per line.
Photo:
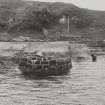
column 19, row 19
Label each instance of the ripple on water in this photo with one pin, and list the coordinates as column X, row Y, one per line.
column 84, row 85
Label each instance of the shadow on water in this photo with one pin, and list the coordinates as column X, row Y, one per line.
column 49, row 78
column 45, row 82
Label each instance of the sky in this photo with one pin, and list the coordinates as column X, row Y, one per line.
column 90, row 4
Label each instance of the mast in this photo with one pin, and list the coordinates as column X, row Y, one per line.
column 68, row 24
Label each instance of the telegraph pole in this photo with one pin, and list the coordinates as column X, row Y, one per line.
column 68, row 24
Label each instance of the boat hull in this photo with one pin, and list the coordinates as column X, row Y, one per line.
column 45, row 70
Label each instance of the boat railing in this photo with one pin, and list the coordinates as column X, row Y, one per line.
column 43, row 61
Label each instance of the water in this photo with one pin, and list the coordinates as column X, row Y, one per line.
column 84, row 85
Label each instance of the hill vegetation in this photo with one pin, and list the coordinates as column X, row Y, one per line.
column 27, row 18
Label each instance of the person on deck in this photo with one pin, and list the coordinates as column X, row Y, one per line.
column 94, row 57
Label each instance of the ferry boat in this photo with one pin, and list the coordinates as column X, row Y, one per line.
column 42, row 65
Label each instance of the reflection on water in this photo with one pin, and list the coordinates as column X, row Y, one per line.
column 84, row 85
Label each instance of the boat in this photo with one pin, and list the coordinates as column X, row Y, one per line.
column 41, row 66
column 46, row 64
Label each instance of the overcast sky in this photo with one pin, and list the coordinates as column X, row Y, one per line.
column 91, row 4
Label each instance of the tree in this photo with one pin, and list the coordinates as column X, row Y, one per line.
column 37, row 20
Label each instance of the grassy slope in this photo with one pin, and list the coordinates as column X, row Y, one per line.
column 96, row 31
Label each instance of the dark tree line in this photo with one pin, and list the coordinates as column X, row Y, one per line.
column 37, row 20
